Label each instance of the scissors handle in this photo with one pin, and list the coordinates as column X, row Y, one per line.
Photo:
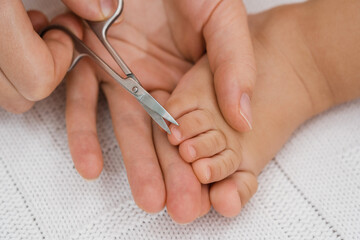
column 100, row 29
column 130, row 83
column 81, row 50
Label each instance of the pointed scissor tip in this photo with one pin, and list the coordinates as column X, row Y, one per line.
column 175, row 122
column 168, row 117
column 166, row 128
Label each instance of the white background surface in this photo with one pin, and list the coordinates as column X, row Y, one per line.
column 311, row 189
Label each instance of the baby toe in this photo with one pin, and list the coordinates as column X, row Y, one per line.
column 231, row 194
column 204, row 145
column 190, row 125
column 246, row 184
column 224, row 198
column 216, row 168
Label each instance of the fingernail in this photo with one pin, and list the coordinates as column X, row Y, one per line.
column 176, row 133
column 107, row 7
column 192, row 152
column 90, row 180
column 245, row 109
column 207, row 174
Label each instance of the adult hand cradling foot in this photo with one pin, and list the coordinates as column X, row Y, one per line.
column 210, row 159
column 165, row 35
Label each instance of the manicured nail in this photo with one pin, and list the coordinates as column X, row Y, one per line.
column 176, row 133
column 245, row 109
column 192, row 152
column 107, row 7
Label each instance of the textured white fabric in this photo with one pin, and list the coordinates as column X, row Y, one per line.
column 311, row 189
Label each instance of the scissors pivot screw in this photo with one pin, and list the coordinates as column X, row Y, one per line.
column 135, row 89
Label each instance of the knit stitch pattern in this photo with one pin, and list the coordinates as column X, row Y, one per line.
column 311, row 190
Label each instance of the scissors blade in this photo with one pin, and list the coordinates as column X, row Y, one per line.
column 153, row 108
column 150, row 102
column 157, row 118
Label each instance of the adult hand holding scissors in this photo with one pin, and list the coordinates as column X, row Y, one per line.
column 217, row 27
column 32, row 67
column 148, row 44
column 145, row 41
column 222, row 25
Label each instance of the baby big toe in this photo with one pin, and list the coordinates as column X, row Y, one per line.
column 204, row 145
column 231, row 194
column 190, row 125
column 216, row 168
column 224, row 198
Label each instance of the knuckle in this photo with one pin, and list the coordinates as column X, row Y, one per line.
column 220, row 171
column 217, row 171
column 230, row 163
column 218, row 140
column 214, row 143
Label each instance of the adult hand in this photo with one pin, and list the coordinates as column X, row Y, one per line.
column 147, row 47
column 220, row 28
column 147, row 44
column 94, row 10
column 31, row 67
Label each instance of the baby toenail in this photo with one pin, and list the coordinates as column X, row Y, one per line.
column 175, row 131
column 192, row 152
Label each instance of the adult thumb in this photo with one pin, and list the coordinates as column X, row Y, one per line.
column 93, row 10
column 232, row 61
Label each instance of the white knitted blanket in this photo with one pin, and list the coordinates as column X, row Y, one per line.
column 310, row 191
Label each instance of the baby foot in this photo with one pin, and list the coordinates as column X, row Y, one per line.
column 214, row 149
column 282, row 101
column 205, row 139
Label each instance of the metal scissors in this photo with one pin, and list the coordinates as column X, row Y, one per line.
column 130, row 82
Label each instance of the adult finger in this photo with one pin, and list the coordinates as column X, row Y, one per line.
column 232, row 61
column 205, row 200
column 183, row 189
column 10, row 99
column 38, row 20
column 43, row 62
column 133, row 131
column 94, row 10
column 81, row 101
